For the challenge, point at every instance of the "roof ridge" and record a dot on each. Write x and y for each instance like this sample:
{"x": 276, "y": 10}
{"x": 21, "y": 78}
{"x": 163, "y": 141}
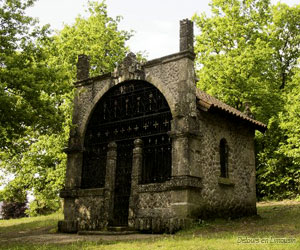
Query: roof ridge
{"x": 216, "y": 103}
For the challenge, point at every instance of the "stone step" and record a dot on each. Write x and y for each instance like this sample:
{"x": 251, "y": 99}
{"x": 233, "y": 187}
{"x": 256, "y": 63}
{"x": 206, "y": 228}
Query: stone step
{"x": 118, "y": 228}
{"x": 110, "y": 231}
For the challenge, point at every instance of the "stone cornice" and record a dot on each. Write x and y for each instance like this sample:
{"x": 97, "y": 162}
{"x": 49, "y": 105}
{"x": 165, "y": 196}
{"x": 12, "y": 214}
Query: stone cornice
{"x": 112, "y": 75}
{"x": 175, "y": 183}
{"x": 169, "y": 58}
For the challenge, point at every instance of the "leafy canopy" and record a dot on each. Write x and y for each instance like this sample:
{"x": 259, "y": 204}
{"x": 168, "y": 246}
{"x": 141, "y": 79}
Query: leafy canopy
{"x": 24, "y": 96}
{"x": 247, "y": 51}
{"x": 34, "y": 153}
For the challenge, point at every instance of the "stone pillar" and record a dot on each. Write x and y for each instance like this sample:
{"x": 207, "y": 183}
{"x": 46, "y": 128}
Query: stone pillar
{"x": 74, "y": 168}
{"x": 72, "y": 183}
{"x": 187, "y": 186}
{"x": 180, "y": 168}
{"x": 180, "y": 155}
{"x": 73, "y": 177}
{"x": 70, "y": 223}
{"x": 111, "y": 164}
{"x": 186, "y": 35}
{"x": 137, "y": 163}
{"x": 83, "y": 67}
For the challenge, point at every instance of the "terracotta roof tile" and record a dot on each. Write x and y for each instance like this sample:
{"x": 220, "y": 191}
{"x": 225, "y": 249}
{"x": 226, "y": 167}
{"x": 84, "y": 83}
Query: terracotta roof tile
{"x": 208, "y": 102}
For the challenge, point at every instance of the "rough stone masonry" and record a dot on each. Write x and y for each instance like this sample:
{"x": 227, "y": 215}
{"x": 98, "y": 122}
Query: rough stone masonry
{"x": 150, "y": 152}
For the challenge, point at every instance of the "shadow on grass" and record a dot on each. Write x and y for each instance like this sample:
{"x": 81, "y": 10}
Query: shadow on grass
{"x": 271, "y": 221}
{"x": 28, "y": 224}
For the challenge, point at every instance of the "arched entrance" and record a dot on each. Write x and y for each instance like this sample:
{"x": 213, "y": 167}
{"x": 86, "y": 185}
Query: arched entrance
{"x": 131, "y": 110}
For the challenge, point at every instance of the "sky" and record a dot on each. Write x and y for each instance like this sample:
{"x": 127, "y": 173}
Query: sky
{"x": 155, "y": 22}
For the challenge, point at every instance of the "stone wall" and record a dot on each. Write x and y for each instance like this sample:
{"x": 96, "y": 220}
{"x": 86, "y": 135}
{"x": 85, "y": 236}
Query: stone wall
{"x": 153, "y": 209}
{"x": 90, "y": 213}
{"x": 234, "y": 196}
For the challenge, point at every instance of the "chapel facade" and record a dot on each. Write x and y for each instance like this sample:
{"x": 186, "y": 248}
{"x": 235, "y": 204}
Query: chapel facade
{"x": 150, "y": 152}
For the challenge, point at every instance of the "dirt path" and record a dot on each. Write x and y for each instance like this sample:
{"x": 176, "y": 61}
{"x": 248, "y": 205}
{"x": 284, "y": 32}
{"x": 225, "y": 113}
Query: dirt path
{"x": 44, "y": 236}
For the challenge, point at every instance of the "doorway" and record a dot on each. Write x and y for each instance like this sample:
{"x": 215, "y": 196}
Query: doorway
{"x": 122, "y": 183}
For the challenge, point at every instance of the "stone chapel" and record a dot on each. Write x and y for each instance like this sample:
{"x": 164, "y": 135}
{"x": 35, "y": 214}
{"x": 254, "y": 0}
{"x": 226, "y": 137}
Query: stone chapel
{"x": 150, "y": 152}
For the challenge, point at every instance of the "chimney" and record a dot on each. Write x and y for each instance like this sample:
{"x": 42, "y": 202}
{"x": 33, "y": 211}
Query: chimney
{"x": 83, "y": 67}
{"x": 247, "y": 110}
{"x": 186, "y": 35}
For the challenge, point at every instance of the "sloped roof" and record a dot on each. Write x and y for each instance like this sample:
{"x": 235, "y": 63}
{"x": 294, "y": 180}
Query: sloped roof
{"x": 209, "y": 102}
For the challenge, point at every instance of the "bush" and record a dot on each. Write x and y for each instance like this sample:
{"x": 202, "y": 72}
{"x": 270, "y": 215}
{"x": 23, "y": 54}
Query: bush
{"x": 43, "y": 206}
{"x": 13, "y": 209}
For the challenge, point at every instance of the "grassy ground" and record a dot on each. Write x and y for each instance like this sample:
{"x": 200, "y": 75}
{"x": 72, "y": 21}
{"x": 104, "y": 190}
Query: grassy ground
{"x": 277, "y": 222}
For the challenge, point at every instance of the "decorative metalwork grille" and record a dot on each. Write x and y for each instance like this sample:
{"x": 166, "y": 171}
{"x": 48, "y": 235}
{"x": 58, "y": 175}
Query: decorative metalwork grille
{"x": 94, "y": 166}
{"x": 134, "y": 109}
{"x": 156, "y": 159}
{"x": 122, "y": 183}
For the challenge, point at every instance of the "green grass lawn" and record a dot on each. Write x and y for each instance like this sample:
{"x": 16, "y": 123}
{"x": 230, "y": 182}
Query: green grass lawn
{"x": 277, "y": 221}
{"x": 23, "y": 224}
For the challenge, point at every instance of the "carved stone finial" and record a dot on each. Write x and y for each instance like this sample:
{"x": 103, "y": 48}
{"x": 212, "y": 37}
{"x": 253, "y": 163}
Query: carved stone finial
{"x": 83, "y": 67}
{"x": 129, "y": 69}
{"x": 129, "y": 60}
{"x": 112, "y": 145}
{"x": 138, "y": 142}
{"x": 247, "y": 110}
{"x": 186, "y": 35}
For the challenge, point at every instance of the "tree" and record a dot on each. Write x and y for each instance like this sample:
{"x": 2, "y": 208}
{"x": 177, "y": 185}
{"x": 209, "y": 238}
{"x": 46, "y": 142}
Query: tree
{"x": 24, "y": 96}
{"x": 285, "y": 40}
{"x": 278, "y": 165}
{"x": 247, "y": 51}
{"x": 288, "y": 181}
{"x": 37, "y": 161}
{"x": 290, "y": 121}
{"x": 234, "y": 55}
{"x": 97, "y": 36}
{"x": 279, "y": 159}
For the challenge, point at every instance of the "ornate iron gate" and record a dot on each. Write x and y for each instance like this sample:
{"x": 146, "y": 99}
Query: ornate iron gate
{"x": 134, "y": 109}
{"x": 122, "y": 182}
{"x": 94, "y": 164}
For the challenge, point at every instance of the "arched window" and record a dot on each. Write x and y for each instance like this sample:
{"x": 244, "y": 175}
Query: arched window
{"x": 131, "y": 110}
{"x": 224, "y": 158}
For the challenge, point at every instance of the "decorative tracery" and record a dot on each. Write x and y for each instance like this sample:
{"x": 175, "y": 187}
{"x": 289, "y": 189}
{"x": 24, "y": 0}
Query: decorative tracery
{"x": 134, "y": 109}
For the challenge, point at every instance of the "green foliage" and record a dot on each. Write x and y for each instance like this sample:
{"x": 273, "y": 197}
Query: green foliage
{"x": 24, "y": 97}
{"x": 247, "y": 51}
{"x": 290, "y": 121}
{"x": 37, "y": 84}
{"x": 29, "y": 105}
{"x": 275, "y": 171}
{"x": 234, "y": 56}
{"x": 279, "y": 159}
{"x": 285, "y": 40}
{"x": 97, "y": 36}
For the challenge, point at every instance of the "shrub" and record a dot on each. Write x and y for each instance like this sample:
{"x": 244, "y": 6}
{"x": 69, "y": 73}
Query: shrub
{"x": 13, "y": 209}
